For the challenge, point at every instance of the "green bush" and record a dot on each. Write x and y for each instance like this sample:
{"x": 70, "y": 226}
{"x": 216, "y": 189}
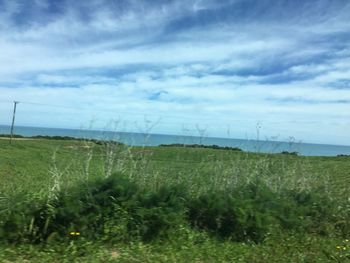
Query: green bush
{"x": 240, "y": 215}
{"x": 87, "y": 207}
{"x": 18, "y": 223}
{"x": 252, "y": 211}
{"x": 315, "y": 211}
{"x": 159, "y": 212}
{"x": 115, "y": 208}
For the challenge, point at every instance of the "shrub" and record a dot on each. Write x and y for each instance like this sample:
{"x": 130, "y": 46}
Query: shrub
{"x": 19, "y": 222}
{"x": 159, "y": 212}
{"x": 290, "y": 153}
{"x": 115, "y": 208}
{"x": 240, "y": 215}
{"x": 111, "y": 208}
{"x": 252, "y": 211}
{"x": 214, "y": 146}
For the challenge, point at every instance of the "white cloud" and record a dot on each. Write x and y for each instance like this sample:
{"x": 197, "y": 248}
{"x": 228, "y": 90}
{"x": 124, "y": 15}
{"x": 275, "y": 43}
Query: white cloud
{"x": 212, "y": 75}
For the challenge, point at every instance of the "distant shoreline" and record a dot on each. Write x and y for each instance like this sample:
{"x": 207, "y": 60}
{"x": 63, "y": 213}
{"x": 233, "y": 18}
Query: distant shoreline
{"x": 18, "y": 137}
{"x": 152, "y": 139}
{"x": 102, "y": 131}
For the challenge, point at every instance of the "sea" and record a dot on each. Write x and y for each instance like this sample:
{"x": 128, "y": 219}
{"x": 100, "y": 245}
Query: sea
{"x": 142, "y": 139}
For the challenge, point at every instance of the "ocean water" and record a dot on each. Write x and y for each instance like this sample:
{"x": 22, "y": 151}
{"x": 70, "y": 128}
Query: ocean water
{"x": 140, "y": 139}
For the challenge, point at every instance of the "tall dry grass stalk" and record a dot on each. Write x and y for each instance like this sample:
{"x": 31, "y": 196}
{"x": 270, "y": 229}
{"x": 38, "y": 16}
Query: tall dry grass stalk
{"x": 56, "y": 176}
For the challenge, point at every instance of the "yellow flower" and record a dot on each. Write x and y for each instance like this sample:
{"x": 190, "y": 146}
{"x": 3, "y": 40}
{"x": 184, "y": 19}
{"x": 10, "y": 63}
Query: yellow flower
{"x": 338, "y": 247}
{"x": 73, "y": 233}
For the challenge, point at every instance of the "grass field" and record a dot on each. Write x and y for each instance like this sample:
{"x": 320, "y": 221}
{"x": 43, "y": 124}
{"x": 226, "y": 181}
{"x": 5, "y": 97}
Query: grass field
{"x": 282, "y": 208}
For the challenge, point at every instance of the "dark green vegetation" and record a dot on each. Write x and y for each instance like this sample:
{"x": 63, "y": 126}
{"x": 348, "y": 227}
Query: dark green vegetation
{"x": 60, "y": 138}
{"x": 169, "y": 204}
{"x": 216, "y": 147}
{"x": 290, "y": 153}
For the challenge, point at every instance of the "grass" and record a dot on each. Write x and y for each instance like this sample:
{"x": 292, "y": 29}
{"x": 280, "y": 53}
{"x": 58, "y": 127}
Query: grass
{"x": 35, "y": 171}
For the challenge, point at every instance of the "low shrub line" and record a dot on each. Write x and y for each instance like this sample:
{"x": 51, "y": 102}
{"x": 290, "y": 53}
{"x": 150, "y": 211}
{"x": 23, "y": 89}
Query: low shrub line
{"x": 117, "y": 209}
{"x": 63, "y": 138}
{"x": 214, "y": 146}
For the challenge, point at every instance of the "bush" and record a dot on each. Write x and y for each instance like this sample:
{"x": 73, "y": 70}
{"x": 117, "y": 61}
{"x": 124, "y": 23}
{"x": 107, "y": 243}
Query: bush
{"x": 159, "y": 212}
{"x": 117, "y": 209}
{"x": 112, "y": 208}
{"x": 85, "y": 208}
{"x": 214, "y": 146}
{"x": 19, "y": 222}
{"x": 252, "y": 211}
{"x": 240, "y": 215}
{"x": 315, "y": 211}
{"x": 290, "y": 153}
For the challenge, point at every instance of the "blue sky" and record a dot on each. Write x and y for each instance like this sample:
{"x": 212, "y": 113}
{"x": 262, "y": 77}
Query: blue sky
{"x": 180, "y": 66}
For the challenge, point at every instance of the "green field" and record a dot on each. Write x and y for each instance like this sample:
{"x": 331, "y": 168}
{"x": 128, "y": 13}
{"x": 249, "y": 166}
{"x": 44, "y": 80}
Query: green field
{"x": 169, "y": 204}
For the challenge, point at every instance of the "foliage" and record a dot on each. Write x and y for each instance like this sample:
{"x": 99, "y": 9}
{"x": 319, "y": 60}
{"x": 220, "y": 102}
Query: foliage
{"x": 110, "y": 208}
{"x": 215, "y": 147}
{"x": 62, "y": 138}
{"x": 290, "y": 153}
{"x": 253, "y": 211}
{"x": 197, "y": 201}
{"x": 117, "y": 209}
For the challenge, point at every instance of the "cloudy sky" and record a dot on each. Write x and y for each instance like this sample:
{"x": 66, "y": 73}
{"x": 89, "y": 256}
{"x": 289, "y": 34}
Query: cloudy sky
{"x": 180, "y": 67}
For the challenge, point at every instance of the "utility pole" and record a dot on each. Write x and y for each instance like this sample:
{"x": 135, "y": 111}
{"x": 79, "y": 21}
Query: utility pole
{"x": 13, "y": 119}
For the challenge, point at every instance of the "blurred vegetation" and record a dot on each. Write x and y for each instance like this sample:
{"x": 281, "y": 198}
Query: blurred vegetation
{"x": 216, "y": 147}
{"x": 110, "y": 202}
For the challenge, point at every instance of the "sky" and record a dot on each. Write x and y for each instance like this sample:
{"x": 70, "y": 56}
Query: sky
{"x": 267, "y": 69}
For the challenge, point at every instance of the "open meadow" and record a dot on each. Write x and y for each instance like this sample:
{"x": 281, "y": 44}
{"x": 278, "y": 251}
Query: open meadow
{"x": 85, "y": 201}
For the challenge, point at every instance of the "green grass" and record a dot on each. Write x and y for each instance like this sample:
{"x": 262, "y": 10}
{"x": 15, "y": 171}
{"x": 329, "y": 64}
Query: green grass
{"x": 25, "y": 160}
{"x": 34, "y": 170}
{"x": 292, "y": 249}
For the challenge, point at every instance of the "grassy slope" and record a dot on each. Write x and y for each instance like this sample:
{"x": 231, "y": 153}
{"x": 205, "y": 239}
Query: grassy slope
{"x": 26, "y": 168}
{"x": 26, "y": 165}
